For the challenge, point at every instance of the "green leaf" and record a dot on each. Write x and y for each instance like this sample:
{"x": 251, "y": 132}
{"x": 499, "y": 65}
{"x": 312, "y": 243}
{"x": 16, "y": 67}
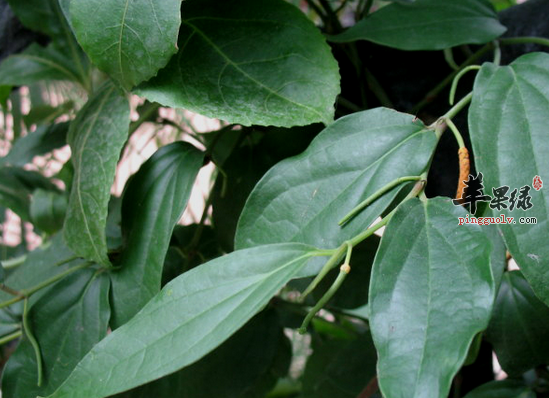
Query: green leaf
{"x": 190, "y": 317}
{"x": 249, "y": 62}
{"x": 67, "y": 322}
{"x": 502, "y": 389}
{"x": 130, "y": 40}
{"x": 41, "y": 141}
{"x": 339, "y": 368}
{"x": 46, "y": 114}
{"x": 45, "y": 16}
{"x": 509, "y": 137}
{"x": 431, "y": 292}
{"x": 427, "y": 25}
{"x": 36, "y": 64}
{"x": 519, "y": 326}
{"x": 96, "y": 137}
{"x": 245, "y": 366}
{"x": 153, "y": 202}
{"x": 303, "y": 198}
{"x": 47, "y": 210}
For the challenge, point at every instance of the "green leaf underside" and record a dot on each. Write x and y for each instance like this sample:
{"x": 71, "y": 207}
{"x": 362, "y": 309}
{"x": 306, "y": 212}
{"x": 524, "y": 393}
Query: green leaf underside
{"x": 153, "y": 203}
{"x": 128, "y": 39}
{"x": 249, "y": 62}
{"x": 192, "y": 315}
{"x": 96, "y": 137}
{"x": 35, "y": 64}
{"x": 429, "y": 298}
{"x": 67, "y": 322}
{"x": 502, "y": 389}
{"x": 244, "y": 366}
{"x": 518, "y": 329}
{"x": 427, "y": 25}
{"x": 47, "y": 210}
{"x": 303, "y": 198}
{"x": 508, "y": 123}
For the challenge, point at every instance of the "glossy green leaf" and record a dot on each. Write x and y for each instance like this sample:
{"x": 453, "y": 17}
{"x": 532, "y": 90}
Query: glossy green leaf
{"x": 502, "y": 389}
{"x": 249, "y": 62}
{"x": 153, "y": 202}
{"x": 45, "y": 16}
{"x": 339, "y": 368}
{"x": 192, "y": 315}
{"x": 431, "y": 292}
{"x": 39, "y": 142}
{"x": 303, "y": 198}
{"x": 130, "y": 40}
{"x": 47, "y": 210}
{"x": 519, "y": 327}
{"x": 508, "y": 127}
{"x": 427, "y": 25}
{"x": 96, "y": 137}
{"x": 67, "y": 322}
{"x": 36, "y": 64}
{"x": 245, "y": 366}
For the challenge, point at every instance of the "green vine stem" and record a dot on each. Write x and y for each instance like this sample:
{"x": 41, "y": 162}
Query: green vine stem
{"x": 458, "y": 107}
{"x": 376, "y": 195}
{"x": 9, "y": 290}
{"x": 26, "y": 293}
{"x": 10, "y": 337}
{"x": 449, "y": 58}
{"x": 14, "y": 262}
{"x": 524, "y": 40}
{"x": 33, "y": 341}
{"x": 456, "y": 80}
{"x": 331, "y": 263}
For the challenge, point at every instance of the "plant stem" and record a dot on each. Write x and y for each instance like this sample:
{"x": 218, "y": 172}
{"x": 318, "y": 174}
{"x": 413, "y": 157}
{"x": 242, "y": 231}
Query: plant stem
{"x": 376, "y": 195}
{"x": 449, "y": 57}
{"x": 9, "y": 290}
{"x": 14, "y": 262}
{"x": 332, "y": 262}
{"x": 32, "y": 340}
{"x": 25, "y": 293}
{"x": 456, "y": 81}
{"x": 11, "y": 337}
{"x": 524, "y": 40}
{"x": 458, "y": 107}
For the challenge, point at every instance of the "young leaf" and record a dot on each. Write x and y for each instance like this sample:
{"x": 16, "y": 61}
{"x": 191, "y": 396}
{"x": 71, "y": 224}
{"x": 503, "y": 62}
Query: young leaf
{"x": 302, "y": 199}
{"x": 431, "y": 292}
{"x": 519, "y": 325}
{"x": 245, "y": 366}
{"x": 502, "y": 389}
{"x": 129, "y": 39}
{"x": 67, "y": 322}
{"x": 47, "y": 210}
{"x": 35, "y": 64}
{"x": 96, "y": 137}
{"x": 153, "y": 203}
{"x": 427, "y": 25}
{"x": 249, "y": 62}
{"x": 509, "y": 135}
{"x": 190, "y": 317}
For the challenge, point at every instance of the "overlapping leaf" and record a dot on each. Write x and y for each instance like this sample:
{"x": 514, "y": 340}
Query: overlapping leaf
{"x": 431, "y": 292}
{"x": 190, "y": 317}
{"x": 508, "y": 126}
{"x": 96, "y": 138}
{"x": 428, "y": 25}
{"x": 249, "y": 62}
{"x": 302, "y": 199}
{"x": 67, "y": 322}
{"x": 153, "y": 203}
{"x": 502, "y": 389}
{"x": 47, "y": 210}
{"x": 129, "y": 39}
{"x": 519, "y": 326}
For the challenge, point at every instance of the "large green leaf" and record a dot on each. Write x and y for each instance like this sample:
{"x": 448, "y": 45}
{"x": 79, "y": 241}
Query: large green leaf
{"x": 35, "y": 64}
{"x": 67, "y": 322}
{"x": 502, "y": 389}
{"x": 47, "y": 210}
{"x": 428, "y": 25}
{"x": 245, "y": 366}
{"x": 249, "y": 62}
{"x": 519, "y": 327}
{"x": 508, "y": 127}
{"x": 431, "y": 292}
{"x": 190, "y": 317}
{"x": 96, "y": 137}
{"x": 153, "y": 203}
{"x": 43, "y": 140}
{"x": 129, "y": 39}
{"x": 339, "y": 368}
{"x": 303, "y": 198}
